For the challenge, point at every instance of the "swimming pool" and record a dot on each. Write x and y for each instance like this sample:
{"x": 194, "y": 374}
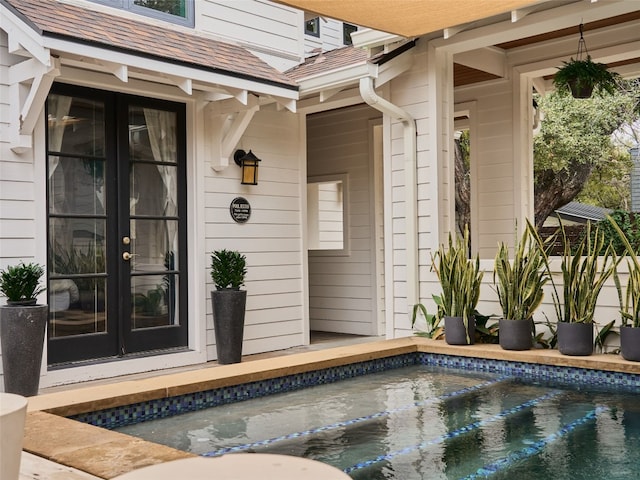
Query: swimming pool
{"x": 425, "y": 421}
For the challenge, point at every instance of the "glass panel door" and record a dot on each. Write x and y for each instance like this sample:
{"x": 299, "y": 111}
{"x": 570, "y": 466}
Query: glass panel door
{"x": 154, "y": 236}
{"x": 116, "y": 224}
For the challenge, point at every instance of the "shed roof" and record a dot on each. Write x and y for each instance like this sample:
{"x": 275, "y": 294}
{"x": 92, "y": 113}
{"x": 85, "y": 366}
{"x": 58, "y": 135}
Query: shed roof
{"x": 581, "y": 211}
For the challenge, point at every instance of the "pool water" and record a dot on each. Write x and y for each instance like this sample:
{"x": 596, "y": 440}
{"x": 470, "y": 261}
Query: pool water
{"x": 426, "y": 422}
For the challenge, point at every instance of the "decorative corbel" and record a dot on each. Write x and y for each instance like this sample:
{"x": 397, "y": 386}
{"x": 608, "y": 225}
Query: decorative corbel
{"x": 29, "y": 85}
{"x": 225, "y": 124}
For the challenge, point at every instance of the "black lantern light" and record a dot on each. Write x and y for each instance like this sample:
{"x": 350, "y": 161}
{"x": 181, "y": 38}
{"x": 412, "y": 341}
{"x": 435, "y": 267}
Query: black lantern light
{"x": 249, "y": 164}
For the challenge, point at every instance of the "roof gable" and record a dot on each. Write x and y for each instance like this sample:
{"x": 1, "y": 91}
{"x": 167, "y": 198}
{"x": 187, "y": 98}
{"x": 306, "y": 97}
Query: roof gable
{"x": 51, "y": 18}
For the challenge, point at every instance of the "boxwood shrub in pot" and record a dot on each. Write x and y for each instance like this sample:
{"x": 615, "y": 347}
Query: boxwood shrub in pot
{"x": 228, "y": 270}
{"x": 520, "y": 286}
{"x": 22, "y": 328}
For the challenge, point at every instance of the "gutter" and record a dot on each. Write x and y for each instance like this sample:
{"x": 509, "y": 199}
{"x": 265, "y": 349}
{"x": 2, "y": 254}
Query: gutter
{"x": 367, "y": 91}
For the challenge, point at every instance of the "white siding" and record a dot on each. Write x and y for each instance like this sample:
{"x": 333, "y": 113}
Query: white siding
{"x": 17, "y": 190}
{"x": 271, "y": 239}
{"x": 271, "y": 31}
{"x": 342, "y": 287}
{"x": 493, "y": 184}
{"x": 409, "y": 92}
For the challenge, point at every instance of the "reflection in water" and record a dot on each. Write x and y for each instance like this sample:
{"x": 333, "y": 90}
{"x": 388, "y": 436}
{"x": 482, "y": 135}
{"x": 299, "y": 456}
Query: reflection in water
{"x": 426, "y": 423}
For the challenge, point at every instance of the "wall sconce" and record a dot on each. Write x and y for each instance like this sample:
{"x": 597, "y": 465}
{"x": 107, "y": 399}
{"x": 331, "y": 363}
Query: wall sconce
{"x": 249, "y": 164}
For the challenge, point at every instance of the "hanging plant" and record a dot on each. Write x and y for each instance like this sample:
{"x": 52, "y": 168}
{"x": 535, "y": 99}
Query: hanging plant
{"x": 581, "y": 76}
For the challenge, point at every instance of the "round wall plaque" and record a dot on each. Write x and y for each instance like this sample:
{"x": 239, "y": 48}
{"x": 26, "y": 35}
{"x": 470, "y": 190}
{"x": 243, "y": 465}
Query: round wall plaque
{"x": 240, "y": 209}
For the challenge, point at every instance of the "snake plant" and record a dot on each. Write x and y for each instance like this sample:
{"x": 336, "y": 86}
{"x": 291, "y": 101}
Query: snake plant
{"x": 584, "y": 274}
{"x": 630, "y": 301}
{"x": 460, "y": 278}
{"x": 519, "y": 282}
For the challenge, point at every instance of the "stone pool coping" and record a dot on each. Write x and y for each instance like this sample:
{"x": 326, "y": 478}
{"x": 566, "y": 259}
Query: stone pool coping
{"x": 107, "y": 454}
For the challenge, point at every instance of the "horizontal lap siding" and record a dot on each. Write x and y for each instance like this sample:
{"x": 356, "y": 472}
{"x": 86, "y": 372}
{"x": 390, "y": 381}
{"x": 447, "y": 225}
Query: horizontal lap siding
{"x": 17, "y": 194}
{"x": 272, "y": 31}
{"x": 271, "y": 239}
{"x": 341, "y": 288}
{"x": 410, "y": 92}
{"x": 494, "y": 182}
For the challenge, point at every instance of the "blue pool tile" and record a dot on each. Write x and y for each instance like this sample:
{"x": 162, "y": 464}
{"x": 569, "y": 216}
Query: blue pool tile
{"x": 164, "y": 407}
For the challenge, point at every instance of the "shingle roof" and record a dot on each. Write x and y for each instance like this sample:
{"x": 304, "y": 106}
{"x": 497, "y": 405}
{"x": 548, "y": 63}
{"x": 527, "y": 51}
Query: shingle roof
{"x": 62, "y": 20}
{"x": 327, "y": 61}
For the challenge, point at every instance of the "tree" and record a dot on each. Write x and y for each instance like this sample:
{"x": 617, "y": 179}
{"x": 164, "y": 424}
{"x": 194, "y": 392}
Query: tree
{"x": 462, "y": 182}
{"x": 580, "y": 153}
{"x": 574, "y": 141}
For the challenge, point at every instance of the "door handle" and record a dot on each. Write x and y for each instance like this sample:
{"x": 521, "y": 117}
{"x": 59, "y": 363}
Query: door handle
{"x": 128, "y": 256}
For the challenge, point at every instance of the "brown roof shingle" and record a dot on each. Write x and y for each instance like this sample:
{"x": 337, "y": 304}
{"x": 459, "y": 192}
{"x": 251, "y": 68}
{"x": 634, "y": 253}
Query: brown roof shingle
{"x": 328, "y": 61}
{"x": 55, "y": 19}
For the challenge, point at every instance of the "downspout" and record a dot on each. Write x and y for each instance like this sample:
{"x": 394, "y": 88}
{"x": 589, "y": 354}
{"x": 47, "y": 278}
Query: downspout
{"x": 369, "y": 95}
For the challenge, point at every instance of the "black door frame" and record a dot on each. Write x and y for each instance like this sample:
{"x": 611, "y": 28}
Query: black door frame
{"x": 120, "y": 340}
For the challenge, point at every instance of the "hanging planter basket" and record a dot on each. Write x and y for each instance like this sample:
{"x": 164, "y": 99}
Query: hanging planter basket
{"x": 581, "y": 76}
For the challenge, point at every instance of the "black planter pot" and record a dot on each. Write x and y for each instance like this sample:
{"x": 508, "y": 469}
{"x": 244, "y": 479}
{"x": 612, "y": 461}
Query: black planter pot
{"x": 22, "y": 333}
{"x": 456, "y": 334}
{"x": 630, "y": 343}
{"x": 516, "y": 334}
{"x": 582, "y": 91}
{"x": 228, "y": 322}
{"x": 575, "y": 339}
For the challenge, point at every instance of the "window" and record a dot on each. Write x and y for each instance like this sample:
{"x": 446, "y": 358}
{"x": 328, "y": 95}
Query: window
{"x": 347, "y": 30}
{"x": 174, "y": 11}
{"x": 327, "y": 214}
{"x": 312, "y": 27}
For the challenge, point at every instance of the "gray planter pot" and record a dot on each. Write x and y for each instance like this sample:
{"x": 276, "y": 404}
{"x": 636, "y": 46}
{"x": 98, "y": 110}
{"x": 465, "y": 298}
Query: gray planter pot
{"x": 516, "y": 334}
{"x": 228, "y": 322}
{"x": 456, "y": 334}
{"x": 630, "y": 343}
{"x": 575, "y": 339}
{"x": 22, "y": 333}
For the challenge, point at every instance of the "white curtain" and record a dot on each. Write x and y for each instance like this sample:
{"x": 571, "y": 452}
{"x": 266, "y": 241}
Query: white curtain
{"x": 161, "y": 126}
{"x": 59, "y": 106}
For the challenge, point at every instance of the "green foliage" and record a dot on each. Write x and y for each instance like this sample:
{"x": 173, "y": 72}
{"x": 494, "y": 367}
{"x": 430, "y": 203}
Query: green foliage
{"x": 84, "y": 262}
{"x": 622, "y": 229}
{"x": 151, "y": 304}
{"x": 630, "y": 301}
{"x": 583, "y": 276}
{"x": 585, "y": 74}
{"x": 608, "y": 185}
{"x": 21, "y": 282}
{"x": 520, "y": 282}
{"x": 434, "y": 330}
{"x": 576, "y": 132}
{"x": 460, "y": 278}
{"x": 228, "y": 269}
{"x": 486, "y": 332}
{"x": 173, "y": 7}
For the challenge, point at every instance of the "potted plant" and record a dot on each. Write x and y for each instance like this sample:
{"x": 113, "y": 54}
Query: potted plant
{"x": 630, "y": 301}
{"x": 228, "y": 269}
{"x": 584, "y": 273}
{"x": 519, "y": 284}
{"x": 460, "y": 279}
{"x": 581, "y": 77}
{"x": 22, "y": 328}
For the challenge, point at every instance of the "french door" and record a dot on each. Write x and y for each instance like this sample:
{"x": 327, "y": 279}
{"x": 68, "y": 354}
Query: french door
{"x": 116, "y": 174}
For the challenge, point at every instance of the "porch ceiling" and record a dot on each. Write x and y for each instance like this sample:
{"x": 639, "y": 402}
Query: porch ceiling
{"x": 409, "y": 18}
